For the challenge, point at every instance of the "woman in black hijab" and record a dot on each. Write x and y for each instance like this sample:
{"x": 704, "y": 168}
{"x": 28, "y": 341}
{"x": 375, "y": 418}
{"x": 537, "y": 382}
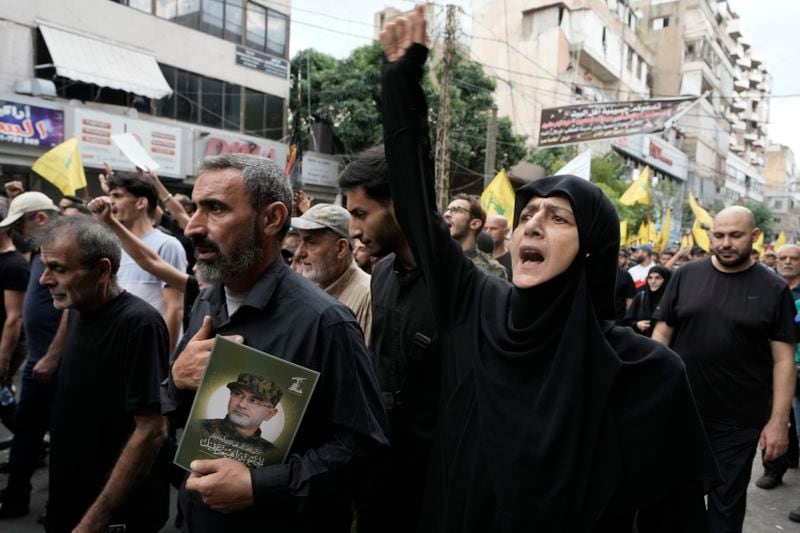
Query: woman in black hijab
{"x": 640, "y": 314}
{"x": 551, "y": 418}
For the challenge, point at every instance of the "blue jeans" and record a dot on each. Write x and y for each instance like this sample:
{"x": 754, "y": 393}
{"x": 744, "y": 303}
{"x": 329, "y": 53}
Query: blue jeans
{"x": 31, "y": 423}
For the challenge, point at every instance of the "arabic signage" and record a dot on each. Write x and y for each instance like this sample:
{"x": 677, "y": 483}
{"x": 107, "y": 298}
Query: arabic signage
{"x": 590, "y": 122}
{"x": 265, "y": 63}
{"x": 30, "y": 125}
{"x": 94, "y": 130}
{"x": 320, "y": 169}
{"x": 657, "y": 153}
{"x": 218, "y": 143}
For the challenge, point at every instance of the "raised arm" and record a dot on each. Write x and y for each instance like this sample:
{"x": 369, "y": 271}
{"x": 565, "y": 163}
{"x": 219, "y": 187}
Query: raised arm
{"x": 145, "y": 257}
{"x": 447, "y": 271}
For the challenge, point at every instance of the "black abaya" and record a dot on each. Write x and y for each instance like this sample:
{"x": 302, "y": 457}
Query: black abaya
{"x": 551, "y": 420}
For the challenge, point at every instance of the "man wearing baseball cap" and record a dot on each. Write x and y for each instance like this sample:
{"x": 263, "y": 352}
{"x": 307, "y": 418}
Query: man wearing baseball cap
{"x": 643, "y": 255}
{"x": 28, "y": 212}
{"x": 326, "y": 255}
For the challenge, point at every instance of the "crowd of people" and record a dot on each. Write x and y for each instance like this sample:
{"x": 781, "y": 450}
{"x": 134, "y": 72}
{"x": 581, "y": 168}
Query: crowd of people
{"x": 471, "y": 377}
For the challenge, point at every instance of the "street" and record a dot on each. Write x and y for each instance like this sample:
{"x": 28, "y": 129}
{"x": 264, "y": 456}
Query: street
{"x": 767, "y": 511}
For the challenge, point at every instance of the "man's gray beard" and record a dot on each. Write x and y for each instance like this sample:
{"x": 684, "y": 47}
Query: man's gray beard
{"x": 319, "y": 274}
{"x": 226, "y": 268}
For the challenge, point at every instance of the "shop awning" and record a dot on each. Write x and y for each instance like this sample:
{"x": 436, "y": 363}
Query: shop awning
{"x": 104, "y": 63}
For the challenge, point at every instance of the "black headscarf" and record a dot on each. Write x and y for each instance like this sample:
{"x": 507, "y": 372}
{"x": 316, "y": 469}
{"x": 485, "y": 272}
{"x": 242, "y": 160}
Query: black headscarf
{"x": 651, "y": 299}
{"x": 543, "y": 383}
{"x": 549, "y": 379}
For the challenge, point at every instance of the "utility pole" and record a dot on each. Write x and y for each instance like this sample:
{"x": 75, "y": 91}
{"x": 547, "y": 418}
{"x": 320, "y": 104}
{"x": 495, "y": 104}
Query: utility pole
{"x": 491, "y": 148}
{"x": 443, "y": 117}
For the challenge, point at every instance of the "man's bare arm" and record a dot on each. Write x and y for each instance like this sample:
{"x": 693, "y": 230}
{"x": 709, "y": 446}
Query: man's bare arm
{"x": 149, "y": 435}
{"x": 173, "y": 314}
{"x": 45, "y": 367}
{"x": 663, "y": 333}
{"x": 11, "y": 329}
{"x": 775, "y": 437}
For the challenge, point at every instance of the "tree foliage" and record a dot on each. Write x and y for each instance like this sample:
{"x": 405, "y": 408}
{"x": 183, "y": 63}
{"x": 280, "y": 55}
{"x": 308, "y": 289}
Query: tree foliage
{"x": 346, "y": 94}
{"x": 764, "y": 219}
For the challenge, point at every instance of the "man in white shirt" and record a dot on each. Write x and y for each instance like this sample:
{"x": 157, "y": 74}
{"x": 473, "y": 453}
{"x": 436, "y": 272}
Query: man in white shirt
{"x": 643, "y": 256}
{"x": 133, "y": 203}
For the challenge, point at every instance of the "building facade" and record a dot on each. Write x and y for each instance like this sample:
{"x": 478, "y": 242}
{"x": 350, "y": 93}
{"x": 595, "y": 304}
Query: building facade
{"x": 187, "y": 78}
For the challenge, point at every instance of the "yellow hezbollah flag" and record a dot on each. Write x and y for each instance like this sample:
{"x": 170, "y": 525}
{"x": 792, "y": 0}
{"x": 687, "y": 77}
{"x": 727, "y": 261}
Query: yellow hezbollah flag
{"x": 780, "y": 241}
{"x": 623, "y": 232}
{"x": 644, "y": 232}
{"x": 639, "y": 191}
{"x": 700, "y": 235}
{"x": 661, "y": 243}
{"x": 652, "y": 234}
{"x": 699, "y": 212}
{"x": 498, "y": 197}
{"x": 62, "y": 167}
{"x": 687, "y": 242}
{"x": 759, "y": 244}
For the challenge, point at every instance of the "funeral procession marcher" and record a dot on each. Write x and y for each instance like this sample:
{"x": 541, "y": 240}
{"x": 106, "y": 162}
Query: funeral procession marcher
{"x": 465, "y": 218}
{"x": 243, "y": 204}
{"x": 732, "y": 322}
{"x": 107, "y": 431}
{"x": 253, "y": 400}
{"x": 405, "y": 345}
{"x": 45, "y": 328}
{"x": 326, "y": 255}
{"x": 612, "y": 437}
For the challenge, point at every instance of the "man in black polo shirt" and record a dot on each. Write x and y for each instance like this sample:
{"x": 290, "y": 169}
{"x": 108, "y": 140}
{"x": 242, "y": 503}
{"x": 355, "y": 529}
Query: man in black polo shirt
{"x": 404, "y": 342}
{"x": 243, "y": 205}
{"x": 732, "y": 323}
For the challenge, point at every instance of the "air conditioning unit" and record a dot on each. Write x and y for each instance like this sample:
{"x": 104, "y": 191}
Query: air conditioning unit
{"x": 36, "y": 87}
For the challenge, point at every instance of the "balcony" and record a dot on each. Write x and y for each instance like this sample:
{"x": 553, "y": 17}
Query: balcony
{"x": 739, "y": 126}
{"x": 739, "y": 84}
{"x": 755, "y": 77}
{"x": 736, "y": 52}
{"x": 750, "y": 136}
{"x": 739, "y": 104}
{"x": 744, "y": 62}
{"x": 760, "y": 142}
{"x": 745, "y": 41}
{"x": 599, "y": 56}
{"x": 734, "y": 28}
{"x": 757, "y": 59}
{"x": 735, "y": 147}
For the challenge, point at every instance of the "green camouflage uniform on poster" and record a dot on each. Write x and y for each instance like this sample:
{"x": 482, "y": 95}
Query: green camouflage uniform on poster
{"x": 484, "y": 261}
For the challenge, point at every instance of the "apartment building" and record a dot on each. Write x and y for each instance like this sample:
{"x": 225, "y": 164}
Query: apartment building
{"x": 188, "y": 78}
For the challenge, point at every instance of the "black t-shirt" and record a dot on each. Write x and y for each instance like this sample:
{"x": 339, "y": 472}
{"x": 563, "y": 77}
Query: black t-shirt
{"x": 14, "y": 273}
{"x": 625, "y": 289}
{"x": 112, "y": 366}
{"x": 723, "y": 327}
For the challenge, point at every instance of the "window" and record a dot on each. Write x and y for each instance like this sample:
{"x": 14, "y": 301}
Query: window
{"x": 234, "y": 14}
{"x": 256, "y": 26}
{"x": 187, "y": 96}
{"x": 211, "y": 102}
{"x": 660, "y": 23}
{"x": 629, "y": 61}
{"x": 274, "y": 122}
{"x": 254, "y": 112}
{"x": 277, "y": 25}
{"x": 212, "y": 17}
{"x": 233, "y": 105}
{"x": 167, "y": 9}
{"x": 166, "y": 106}
{"x": 139, "y": 5}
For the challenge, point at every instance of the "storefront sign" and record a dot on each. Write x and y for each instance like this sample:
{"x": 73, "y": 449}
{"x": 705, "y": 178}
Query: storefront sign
{"x": 30, "y": 125}
{"x": 223, "y": 143}
{"x": 656, "y": 152}
{"x": 320, "y": 169}
{"x": 589, "y": 122}
{"x": 265, "y": 63}
{"x": 161, "y": 142}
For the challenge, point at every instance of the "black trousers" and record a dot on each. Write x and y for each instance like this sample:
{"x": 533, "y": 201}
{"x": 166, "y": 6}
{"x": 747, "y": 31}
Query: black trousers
{"x": 735, "y": 449}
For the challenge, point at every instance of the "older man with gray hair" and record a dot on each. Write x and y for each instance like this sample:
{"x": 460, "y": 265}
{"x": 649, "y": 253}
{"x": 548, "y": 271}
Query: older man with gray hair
{"x": 326, "y": 255}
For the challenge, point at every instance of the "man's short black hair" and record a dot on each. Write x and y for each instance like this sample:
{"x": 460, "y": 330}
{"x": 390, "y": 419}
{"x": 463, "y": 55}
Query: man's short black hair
{"x": 74, "y": 199}
{"x": 475, "y": 209}
{"x": 137, "y": 186}
{"x": 370, "y": 171}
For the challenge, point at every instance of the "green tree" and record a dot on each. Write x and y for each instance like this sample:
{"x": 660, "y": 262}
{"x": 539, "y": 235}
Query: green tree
{"x": 764, "y": 219}
{"x": 346, "y": 93}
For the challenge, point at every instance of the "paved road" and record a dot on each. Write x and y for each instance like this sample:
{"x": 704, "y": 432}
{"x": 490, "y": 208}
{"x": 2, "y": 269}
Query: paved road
{"x": 766, "y": 510}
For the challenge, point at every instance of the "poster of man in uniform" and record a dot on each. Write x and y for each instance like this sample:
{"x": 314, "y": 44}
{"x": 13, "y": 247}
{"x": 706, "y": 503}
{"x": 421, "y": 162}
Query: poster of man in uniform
{"x": 248, "y": 407}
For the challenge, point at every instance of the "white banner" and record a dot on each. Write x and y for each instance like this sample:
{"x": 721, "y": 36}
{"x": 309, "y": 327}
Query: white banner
{"x": 580, "y": 166}
{"x": 160, "y": 142}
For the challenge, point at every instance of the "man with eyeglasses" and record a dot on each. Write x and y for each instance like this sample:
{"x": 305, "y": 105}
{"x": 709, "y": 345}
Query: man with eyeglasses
{"x": 465, "y": 217}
